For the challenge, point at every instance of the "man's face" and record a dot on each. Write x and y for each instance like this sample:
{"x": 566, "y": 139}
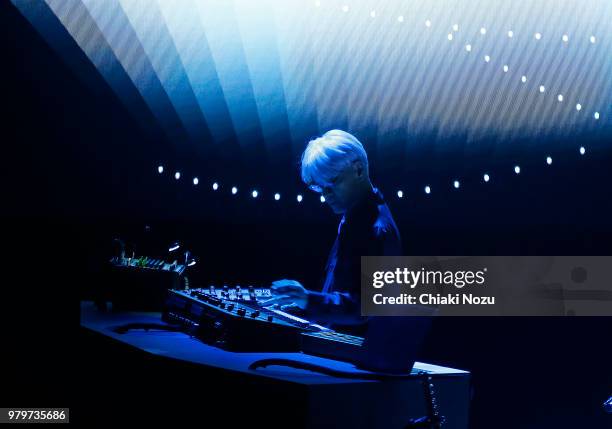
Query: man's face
{"x": 342, "y": 191}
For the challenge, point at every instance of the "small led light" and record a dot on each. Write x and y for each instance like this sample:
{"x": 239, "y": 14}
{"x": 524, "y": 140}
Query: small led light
{"x": 400, "y": 18}
{"x": 196, "y": 181}
{"x": 456, "y": 27}
{"x": 373, "y": 14}
{"x": 517, "y": 169}
{"x": 215, "y": 186}
{"x": 456, "y": 184}
{"x": 468, "y": 48}
{"x": 538, "y": 36}
{"x": 177, "y": 175}
{"x": 593, "y": 40}
{"x": 276, "y": 197}
{"x": 322, "y": 198}
{"x": 548, "y": 160}
{"x": 428, "y": 23}
{"x": 523, "y": 79}
{"x": 505, "y": 69}
{"x": 565, "y": 38}
{"x": 160, "y": 169}
{"x": 234, "y": 190}
{"x": 400, "y": 194}
{"x": 254, "y": 194}
{"x": 560, "y": 97}
{"x": 299, "y": 198}
{"x": 483, "y": 31}
{"x": 427, "y": 189}
{"x": 596, "y": 115}
{"x": 542, "y": 88}
{"x": 487, "y": 58}
{"x": 450, "y": 36}
{"x": 486, "y": 177}
{"x": 345, "y": 8}
{"x": 510, "y": 33}
{"x": 579, "y": 107}
{"x": 582, "y": 150}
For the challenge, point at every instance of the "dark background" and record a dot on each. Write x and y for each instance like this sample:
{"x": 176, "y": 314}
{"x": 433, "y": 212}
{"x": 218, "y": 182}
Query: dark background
{"x": 78, "y": 171}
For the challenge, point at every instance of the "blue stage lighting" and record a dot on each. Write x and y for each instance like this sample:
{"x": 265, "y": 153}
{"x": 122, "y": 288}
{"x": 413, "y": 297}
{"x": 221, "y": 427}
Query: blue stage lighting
{"x": 517, "y": 169}
{"x": 548, "y": 160}
{"x": 486, "y": 177}
{"x": 542, "y": 88}
{"x": 196, "y": 180}
{"x": 565, "y": 38}
{"x": 160, "y": 169}
{"x": 596, "y": 115}
{"x": 299, "y": 198}
{"x": 505, "y": 68}
{"x": 322, "y": 198}
{"x": 560, "y": 97}
{"x": 215, "y": 186}
{"x": 582, "y": 150}
{"x": 254, "y": 194}
{"x": 177, "y": 175}
{"x": 276, "y": 197}
{"x": 579, "y": 107}
{"x": 234, "y": 190}
{"x": 523, "y": 78}
{"x": 456, "y": 184}
{"x": 483, "y": 31}
{"x": 400, "y": 194}
{"x": 427, "y": 189}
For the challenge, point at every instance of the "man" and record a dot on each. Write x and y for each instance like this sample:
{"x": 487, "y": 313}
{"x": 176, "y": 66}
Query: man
{"x": 336, "y": 165}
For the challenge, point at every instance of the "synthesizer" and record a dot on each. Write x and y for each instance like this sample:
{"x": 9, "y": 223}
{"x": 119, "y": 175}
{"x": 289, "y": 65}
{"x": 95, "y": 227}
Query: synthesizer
{"x": 233, "y": 319}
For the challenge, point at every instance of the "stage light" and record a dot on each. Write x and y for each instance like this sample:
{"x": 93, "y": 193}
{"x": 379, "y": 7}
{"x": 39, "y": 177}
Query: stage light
{"x": 215, "y": 186}
{"x": 582, "y": 150}
{"x": 276, "y": 197}
{"x": 510, "y": 33}
{"x": 400, "y": 18}
{"x": 177, "y": 175}
{"x": 254, "y": 194}
{"x": 560, "y": 97}
{"x": 427, "y": 189}
{"x": 487, "y": 58}
{"x": 593, "y": 40}
{"x": 483, "y": 31}
{"x": 542, "y": 89}
{"x": 345, "y": 8}
{"x": 579, "y": 107}
{"x": 299, "y": 198}
{"x": 523, "y": 78}
{"x": 234, "y": 190}
{"x": 191, "y": 263}
{"x": 548, "y": 160}
{"x": 486, "y": 177}
{"x": 428, "y": 23}
{"x": 373, "y": 14}
{"x": 456, "y": 27}
{"x": 196, "y": 181}
{"x": 160, "y": 169}
{"x": 174, "y": 246}
{"x": 538, "y": 36}
{"x": 565, "y": 38}
{"x": 468, "y": 48}
{"x": 400, "y": 194}
{"x": 456, "y": 184}
{"x": 505, "y": 69}
{"x": 517, "y": 169}
{"x": 322, "y": 198}
{"x": 450, "y": 36}
{"x": 596, "y": 115}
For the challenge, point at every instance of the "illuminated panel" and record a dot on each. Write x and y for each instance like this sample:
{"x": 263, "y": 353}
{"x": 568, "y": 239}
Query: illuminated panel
{"x": 148, "y": 23}
{"x": 112, "y": 21}
{"x": 258, "y": 34}
{"x": 293, "y": 24}
{"x": 219, "y": 21}
{"x": 190, "y": 40}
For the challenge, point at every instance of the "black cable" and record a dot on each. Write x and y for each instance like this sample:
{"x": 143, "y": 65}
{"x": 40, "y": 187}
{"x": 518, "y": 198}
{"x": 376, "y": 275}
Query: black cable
{"x": 325, "y": 370}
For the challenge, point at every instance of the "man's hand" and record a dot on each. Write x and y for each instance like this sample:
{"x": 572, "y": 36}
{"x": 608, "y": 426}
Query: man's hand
{"x": 287, "y": 293}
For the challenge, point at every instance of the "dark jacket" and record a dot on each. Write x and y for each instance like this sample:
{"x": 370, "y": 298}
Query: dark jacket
{"x": 368, "y": 229}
